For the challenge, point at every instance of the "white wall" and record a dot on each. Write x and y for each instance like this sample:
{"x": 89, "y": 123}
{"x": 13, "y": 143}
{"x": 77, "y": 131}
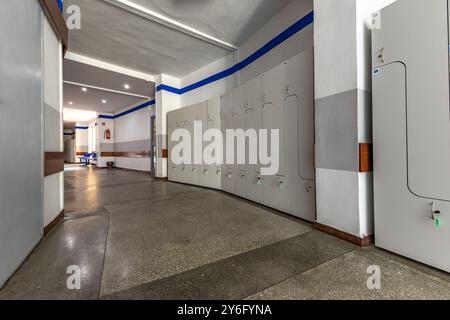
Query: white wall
{"x": 165, "y": 102}
{"x": 290, "y": 48}
{"x": 21, "y": 110}
{"x": 132, "y": 134}
{"x": 53, "y": 123}
{"x": 103, "y": 144}
{"x": 215, "y": 89}
{"x": 343, "y": 94}
{"x": 81, "y": 138}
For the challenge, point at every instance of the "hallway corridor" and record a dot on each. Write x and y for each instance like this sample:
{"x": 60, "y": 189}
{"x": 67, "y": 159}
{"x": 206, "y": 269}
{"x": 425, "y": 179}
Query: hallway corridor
{"x": 139, "y": 238}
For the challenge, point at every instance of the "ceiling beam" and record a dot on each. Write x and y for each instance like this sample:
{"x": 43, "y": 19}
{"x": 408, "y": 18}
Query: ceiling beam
{"x": 170, "y": 23}
{"x": 108, "y": 66}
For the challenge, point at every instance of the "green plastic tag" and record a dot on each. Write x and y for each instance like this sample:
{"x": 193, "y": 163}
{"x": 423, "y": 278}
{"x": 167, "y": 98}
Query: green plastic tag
{"x": 437, "y": 221}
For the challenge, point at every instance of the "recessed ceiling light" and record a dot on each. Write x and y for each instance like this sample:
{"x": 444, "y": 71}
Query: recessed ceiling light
{"x": 126, "y": 86}
{"x": 104, "y": 101}
{"x": 70, "y": 102}
{"x": 84, "y": 89}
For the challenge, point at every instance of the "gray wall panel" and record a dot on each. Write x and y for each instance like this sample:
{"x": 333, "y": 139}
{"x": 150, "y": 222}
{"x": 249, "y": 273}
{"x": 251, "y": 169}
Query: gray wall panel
{"x": 52, "y": 129}
{"x": 131, "y": 146}
{"x": 337, "y": 145}
{"x": 21, "y": 174}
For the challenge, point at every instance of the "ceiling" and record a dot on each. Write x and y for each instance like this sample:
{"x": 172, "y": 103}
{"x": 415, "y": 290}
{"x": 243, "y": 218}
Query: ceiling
{"x": 116, "y": 36}
{"x": 102, "y": 85}
{"x": 91, "y": 100}
{"x": 97, "y": 77}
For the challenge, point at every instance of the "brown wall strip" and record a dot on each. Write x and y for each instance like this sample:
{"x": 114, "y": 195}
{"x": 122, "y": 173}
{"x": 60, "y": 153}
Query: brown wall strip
{"x": 165, "y": 154}
{"x": 81, "y": 153}
{"x": 52, "y": 224}
{"x": 107, "y": 154}
{"x": 53, "y": 163}
{"x": 365, "y": 157}
{"x": 56, "y": 19}
{"x": 362, "y": 242}
{"x": 138, "y": 154}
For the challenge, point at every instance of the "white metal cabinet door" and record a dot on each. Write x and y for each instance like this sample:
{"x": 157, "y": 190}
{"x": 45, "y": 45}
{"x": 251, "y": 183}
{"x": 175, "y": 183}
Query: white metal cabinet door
{"x": 299, "y": 133}
{"x": 214, "y": 122}
{"x": 240, "y": 170}
{"x": 403, "y": 221}
{"x": 227, "y": 123}
{"x": 200, "y": 171}
{"x": 275, "y": 194}
{"x": 253, "y": 116}
{"x": 171, "y": 126}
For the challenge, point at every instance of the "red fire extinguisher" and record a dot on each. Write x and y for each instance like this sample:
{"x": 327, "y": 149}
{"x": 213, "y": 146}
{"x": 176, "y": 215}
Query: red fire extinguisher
{"x": 108, "y": 134}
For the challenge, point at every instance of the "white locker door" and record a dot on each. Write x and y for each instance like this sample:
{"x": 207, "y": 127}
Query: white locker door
{"x": 275, "y": 194}
{"x": 254, "y": 181}
{"x": 240, "y": 170}
{"x": 171, "y": 126}
{"x": 227, "y": 123}
{"x": 189, "y": 171}
{"x": 214, "y": 122}
{"x": 200, "y": 170}
{"x": 299, "y": 133}
{"x": 403, "y": 220}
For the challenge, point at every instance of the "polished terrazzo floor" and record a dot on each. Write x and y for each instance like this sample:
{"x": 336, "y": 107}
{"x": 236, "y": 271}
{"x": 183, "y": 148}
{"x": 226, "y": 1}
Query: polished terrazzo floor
{"x": 134, "y": 237}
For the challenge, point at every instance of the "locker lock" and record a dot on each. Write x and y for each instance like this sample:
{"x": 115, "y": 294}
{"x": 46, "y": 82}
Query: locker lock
{"x": 205, "y": 172}
{"x": 436, "y": 216}
{"x": 281, "y": 184}
{"x": 194, "y": 169}
{"x": 219, "y": 172}
{"x": 243, "y": 173}
{"x": 259, "y": 181}
{"x": 229, "y": 175}
{"x": 287, "y": 90}
{"x": 381, "y": 55}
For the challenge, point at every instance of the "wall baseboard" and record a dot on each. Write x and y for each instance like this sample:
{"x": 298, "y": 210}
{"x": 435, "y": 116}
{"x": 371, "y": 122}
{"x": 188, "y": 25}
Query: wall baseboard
{"x": 52, "y": 224}
{"x": 361, "y": 242}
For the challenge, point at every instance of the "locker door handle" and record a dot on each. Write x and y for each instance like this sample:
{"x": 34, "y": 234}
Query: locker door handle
{"x": 281, "y": 184}
{"x": 381, "y": 55}
{"x": 436, "y": 216}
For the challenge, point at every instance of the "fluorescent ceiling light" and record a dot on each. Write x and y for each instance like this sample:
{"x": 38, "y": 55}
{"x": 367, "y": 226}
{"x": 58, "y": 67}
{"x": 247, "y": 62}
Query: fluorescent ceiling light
{"x": 127, "y": 86}
{"x": 168, "y": 22}
{"x": 85, "y": 86}
{"x": 108, "y": 66}
{"x": 104, "y": 101}
{"x": 75, "y": 115}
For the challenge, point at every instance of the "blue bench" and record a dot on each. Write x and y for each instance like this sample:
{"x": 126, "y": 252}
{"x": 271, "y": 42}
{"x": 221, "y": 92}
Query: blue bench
{"x": 88, "y": 157}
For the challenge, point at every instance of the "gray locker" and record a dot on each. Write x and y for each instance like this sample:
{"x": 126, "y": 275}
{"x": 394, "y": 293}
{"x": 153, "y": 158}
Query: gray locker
{"x": 411, "y": 124}
{"x": 214, "y": 122}
{"x": 253, "y": 120}
{"x": 273, "y": 85}
{"x": 226, "y": 105}
{"x": 239, "y": 170}
{"x": 299, "y": 133}
{"x": 201, "y": 172}
{"x": 171, "y": 126}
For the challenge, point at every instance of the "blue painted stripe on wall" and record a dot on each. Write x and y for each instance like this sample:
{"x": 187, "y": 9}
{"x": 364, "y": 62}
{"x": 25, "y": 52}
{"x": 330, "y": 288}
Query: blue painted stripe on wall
{"x": 81, "y": 128}
{"x": 60, "y": 5}
{"x": 285, "y": 35}
{"x": 142, "y": 106}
